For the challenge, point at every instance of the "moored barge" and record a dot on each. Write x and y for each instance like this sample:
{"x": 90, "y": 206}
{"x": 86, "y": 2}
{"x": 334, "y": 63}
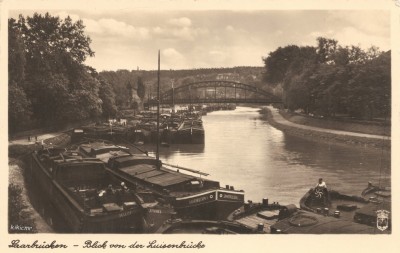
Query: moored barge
{"x": 190, "y": 132}
{"x": 304, "y": 222}
{"x": 361, "y": 209}
{"x": 86, "y": 196}
{"x": 191, "y": 196}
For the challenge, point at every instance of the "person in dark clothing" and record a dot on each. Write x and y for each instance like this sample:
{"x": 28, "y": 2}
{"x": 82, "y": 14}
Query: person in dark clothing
{"x": 321, "y": 192}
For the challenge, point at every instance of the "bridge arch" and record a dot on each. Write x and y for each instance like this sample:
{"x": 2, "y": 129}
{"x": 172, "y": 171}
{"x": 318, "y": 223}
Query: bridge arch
{"x": 267, "y": 97}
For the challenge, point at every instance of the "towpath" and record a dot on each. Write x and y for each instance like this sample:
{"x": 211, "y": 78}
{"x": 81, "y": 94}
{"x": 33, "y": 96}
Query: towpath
{"x": 26, "y": 141}
{"x": 281, "y": 120}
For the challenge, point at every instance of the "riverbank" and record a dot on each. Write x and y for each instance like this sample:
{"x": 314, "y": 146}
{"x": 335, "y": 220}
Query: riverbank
{"x": 326, "y": 135}
{"x": 375, "y": 127}
{"x": 24, "y": 218}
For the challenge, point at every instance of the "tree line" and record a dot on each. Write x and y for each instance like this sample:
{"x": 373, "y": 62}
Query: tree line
{"x": 330, "y": 79}
{"x": 49, "y": 84}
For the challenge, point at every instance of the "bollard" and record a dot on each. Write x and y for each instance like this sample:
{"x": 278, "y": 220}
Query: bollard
{"x": 265, "y": 201}
{"x": 260, "y": 227}
{"x": 336, "y": 214}
{"x": 318, "y": 210}
{"x": 326, "y": 211}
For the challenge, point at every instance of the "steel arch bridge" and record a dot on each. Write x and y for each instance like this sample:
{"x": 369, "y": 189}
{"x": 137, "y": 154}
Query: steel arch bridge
{"x": 169, "y": 97}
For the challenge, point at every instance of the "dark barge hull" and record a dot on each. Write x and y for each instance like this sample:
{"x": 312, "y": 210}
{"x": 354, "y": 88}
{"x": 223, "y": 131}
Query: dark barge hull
{"x": 72, "y": 213}
{"x": 189, "y": 136}
{"x": 207, "y": 202}
{"x": 211, "y": 205}
{"x": 214, "y": 204}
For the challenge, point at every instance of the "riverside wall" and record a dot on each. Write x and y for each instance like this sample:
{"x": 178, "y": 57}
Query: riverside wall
{"x": 329, "y": 138}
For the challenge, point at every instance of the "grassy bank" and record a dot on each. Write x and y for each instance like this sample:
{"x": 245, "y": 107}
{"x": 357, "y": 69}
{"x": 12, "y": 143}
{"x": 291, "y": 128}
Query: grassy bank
{"x": 22, "y": 217}
{"x": 327, "y": 137}
{"x": 365, "y": 127}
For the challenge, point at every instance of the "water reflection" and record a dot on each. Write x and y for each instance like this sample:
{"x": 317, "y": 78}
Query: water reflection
{"x": 243, "y": 150}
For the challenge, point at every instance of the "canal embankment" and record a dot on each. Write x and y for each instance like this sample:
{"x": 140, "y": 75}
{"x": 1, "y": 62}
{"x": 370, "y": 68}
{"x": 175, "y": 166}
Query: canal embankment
{"x": 23, "y": 217}
{"x": 371, "y": 136}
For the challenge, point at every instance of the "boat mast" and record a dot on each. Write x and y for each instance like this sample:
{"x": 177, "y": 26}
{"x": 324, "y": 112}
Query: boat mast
{"x": 158, "y": 111}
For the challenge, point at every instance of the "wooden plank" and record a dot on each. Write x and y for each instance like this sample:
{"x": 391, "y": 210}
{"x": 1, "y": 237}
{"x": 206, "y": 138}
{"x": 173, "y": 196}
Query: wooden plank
{"x": 191, "y": 170}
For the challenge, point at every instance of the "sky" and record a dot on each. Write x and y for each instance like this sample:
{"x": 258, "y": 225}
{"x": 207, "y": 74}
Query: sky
{"x": 129, "y": 39}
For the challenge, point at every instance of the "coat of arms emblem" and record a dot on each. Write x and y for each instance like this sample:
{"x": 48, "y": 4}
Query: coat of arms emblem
{"x": 382, "y": 219}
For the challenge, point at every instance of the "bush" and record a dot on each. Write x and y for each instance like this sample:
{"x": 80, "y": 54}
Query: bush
{"x": 17, "y": 215}
{"x": 15, "y": 151}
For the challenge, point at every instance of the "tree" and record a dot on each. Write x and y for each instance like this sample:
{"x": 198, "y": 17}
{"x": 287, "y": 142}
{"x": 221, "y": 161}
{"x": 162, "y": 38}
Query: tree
{"x": 129, "y": 87}
{"x": 277, "y": 63}
{"x": 85, "y": 97}
{"x": 47, "y": 36}
{"x": 331, "y": 79}
{"x": 19, "y": 107}
{"x": 326, "y": 48}
{"x": 47, "y": 70}
{"x": 16, "y": 53}
{"x": 369, "y": 88}
{"x": 107, "y": 96}
{"x": 287, "y": 66}
{"x": 141, "y": 89}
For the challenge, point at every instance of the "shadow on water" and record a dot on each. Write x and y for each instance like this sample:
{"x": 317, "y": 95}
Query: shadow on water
{"x": 348, "y": 167}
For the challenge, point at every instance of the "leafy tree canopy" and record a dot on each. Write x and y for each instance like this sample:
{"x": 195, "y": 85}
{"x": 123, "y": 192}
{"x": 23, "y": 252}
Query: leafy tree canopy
{"x": 329, "y": 79}
{"x": 49, "y": 82}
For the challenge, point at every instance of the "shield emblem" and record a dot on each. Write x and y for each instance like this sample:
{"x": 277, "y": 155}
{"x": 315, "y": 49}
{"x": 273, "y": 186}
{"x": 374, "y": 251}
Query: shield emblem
{"x": 382, "y": 219}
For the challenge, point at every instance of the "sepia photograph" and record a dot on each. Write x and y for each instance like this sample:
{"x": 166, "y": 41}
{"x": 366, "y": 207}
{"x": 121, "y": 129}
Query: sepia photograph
{"x": 196, "y": 119}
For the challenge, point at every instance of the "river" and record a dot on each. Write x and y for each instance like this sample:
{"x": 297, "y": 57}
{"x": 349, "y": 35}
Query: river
{"x": 243, "y": 150}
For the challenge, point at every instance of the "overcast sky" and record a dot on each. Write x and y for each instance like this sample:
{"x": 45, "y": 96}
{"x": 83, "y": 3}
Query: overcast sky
{"x": 128, "y": 39}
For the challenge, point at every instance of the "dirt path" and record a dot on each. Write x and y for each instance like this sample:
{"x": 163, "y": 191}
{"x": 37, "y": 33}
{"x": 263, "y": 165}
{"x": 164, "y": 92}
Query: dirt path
{"x": 279, "y": 119}
{"x": 25, "y": 141}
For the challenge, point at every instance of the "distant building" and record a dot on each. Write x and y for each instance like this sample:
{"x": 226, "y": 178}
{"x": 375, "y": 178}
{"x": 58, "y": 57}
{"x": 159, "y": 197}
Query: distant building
{"x": 228, "y": 77}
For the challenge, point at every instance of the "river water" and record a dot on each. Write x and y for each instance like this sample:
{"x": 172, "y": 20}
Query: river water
{"x": 243, "y": 150}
